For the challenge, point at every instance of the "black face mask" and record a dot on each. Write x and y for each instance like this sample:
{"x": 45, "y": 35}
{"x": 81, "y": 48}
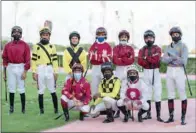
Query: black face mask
{"x": 107, "y": 76}
{"x": 132, "y": 78}
{"x": 150, "y": 43}
{"x": 44, "y": 41}
{"x": 176, "y": 39}
{"x": 16, "y": 37}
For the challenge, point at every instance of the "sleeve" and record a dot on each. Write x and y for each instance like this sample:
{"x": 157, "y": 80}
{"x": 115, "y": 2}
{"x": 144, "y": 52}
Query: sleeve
{"x": 115, "y": 91}
{"x": 34, "y": 59}
{"x": 116, "y": 60}
{"x": 155, "y": 57}
{"x": 166, "y": 58}
{"x": 5, "y": 56}
{"x": 54, "y": 60}
{"x": 97, "y": 101}
{"x": 66, "y": 89}
{"x": 88, "y": 94}
{"x": 66, "y": 62}
{"x": 123, "y": 90}
{"x": 144, "y": 91}
{"x": 83, "y": 59}
{"x": 109, "y": 54}
{"x": 130, "y": 58}
{"x": 184, "y": 56}
{"x": 141, "y": 61}
{"x": 91, "y": 56}
{"x": 27, "y": 57}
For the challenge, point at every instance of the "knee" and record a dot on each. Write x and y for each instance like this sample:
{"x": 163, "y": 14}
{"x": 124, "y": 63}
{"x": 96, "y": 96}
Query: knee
{"x": 145, "y": 106}
{"x": 85, "y": 108}
{"x": 107, "y": 99}
{"x": 120, "y": 103}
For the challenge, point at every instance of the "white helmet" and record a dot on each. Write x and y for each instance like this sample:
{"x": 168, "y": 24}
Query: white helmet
{"x": 132, "y": 67}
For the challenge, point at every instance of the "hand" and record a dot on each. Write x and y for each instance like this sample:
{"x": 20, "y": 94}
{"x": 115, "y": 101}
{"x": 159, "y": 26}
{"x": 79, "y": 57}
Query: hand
{"x": 24, "y": 75}
{"x": 4, "y": 77}
{"x": 92, "y": 107}
{"x": 144, "y": 57}
{"x": 80, "y": 103}
{"x": 97, "y": 95}
{"x": 104, "y": 53}
{"x": 126, "y": 100}
{"x": 55, "y": 76}
{"x": 35, "y": 76}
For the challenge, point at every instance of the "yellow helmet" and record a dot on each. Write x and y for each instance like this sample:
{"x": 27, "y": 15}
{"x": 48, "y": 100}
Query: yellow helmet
{"x": 45, "y": 30}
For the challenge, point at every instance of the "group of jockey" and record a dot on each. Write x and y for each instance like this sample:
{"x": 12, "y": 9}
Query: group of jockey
{"x": 109, "y": 93}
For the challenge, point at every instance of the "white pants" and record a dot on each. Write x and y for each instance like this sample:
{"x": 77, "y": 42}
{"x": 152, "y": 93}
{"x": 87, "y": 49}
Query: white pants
{"x": 121, "y": 72}
{"x": 96, "y": 78}
{"x": 107, "y": 103}
{"x": 148, "y": 74}
{"x": 45, "y": 78}
{"x": 84, "y": 108}
{"x": 175, "y": 78}
{"x": 15, "y": 72}
{"x": 120, "y": 103}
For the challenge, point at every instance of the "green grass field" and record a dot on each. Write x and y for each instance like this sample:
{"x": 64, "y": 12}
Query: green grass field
{"x": 32, "y": 121}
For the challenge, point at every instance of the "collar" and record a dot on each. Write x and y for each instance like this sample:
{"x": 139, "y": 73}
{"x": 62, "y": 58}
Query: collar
{"x": 100, "y": 42}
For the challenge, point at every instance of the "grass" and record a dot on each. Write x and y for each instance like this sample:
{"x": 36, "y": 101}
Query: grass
{"x": 32, "y": 121}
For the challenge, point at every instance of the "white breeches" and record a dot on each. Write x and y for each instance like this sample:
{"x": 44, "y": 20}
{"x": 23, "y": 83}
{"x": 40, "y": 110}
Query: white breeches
{"x": 14, "y": 76}
{"x": 96, "y": 78}
{"x": 148, "y": 74}
{"x": 45, "y": 78}
{"x": 70, "y": 103}
{"x": 175, "y": 78}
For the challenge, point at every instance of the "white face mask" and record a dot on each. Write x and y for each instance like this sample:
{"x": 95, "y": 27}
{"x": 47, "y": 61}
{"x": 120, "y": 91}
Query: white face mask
{"x": 77, "y": 76}
{"x": 123, "y": 42}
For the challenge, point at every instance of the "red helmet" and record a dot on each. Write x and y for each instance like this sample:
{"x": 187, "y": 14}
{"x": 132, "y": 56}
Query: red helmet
{"x": 123, "y": 32}
{"x": 102, "y": 30}
{"x": 77, "y": 66}
{"x": 133, "y": 94}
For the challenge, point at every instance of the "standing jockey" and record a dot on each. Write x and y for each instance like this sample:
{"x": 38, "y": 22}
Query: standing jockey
{"x": 99, "y": 53}
{"x": 176, "y": 55}
{"x": 16, "y": 58}
{"x": 45, "y": 68}
{"x": 133, "y": 90}
{"x": 109, "y": 93}
{"x": 76, "y": 92}
{"x": 73, "y": 54}
{"x": 123, "y": 55}
{"x": 149, "y": 58}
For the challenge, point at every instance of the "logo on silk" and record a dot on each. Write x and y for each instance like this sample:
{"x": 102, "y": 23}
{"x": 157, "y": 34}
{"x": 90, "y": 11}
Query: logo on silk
{"x": 132, "y": 94}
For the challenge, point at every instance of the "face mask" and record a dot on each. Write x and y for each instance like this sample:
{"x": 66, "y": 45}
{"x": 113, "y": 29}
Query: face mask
{"x": 100, "y": 39}
{"x": 150, "y": 43}
{"x": 107, "y": 76}
{"x": 16, "y": 37}
{"x": 44, "y": 41}
{"x": 123, "y": 42}
{"x": 77, "y": 76}
{"x": 132, "y": 78}
{"x": 176, "y": 39}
